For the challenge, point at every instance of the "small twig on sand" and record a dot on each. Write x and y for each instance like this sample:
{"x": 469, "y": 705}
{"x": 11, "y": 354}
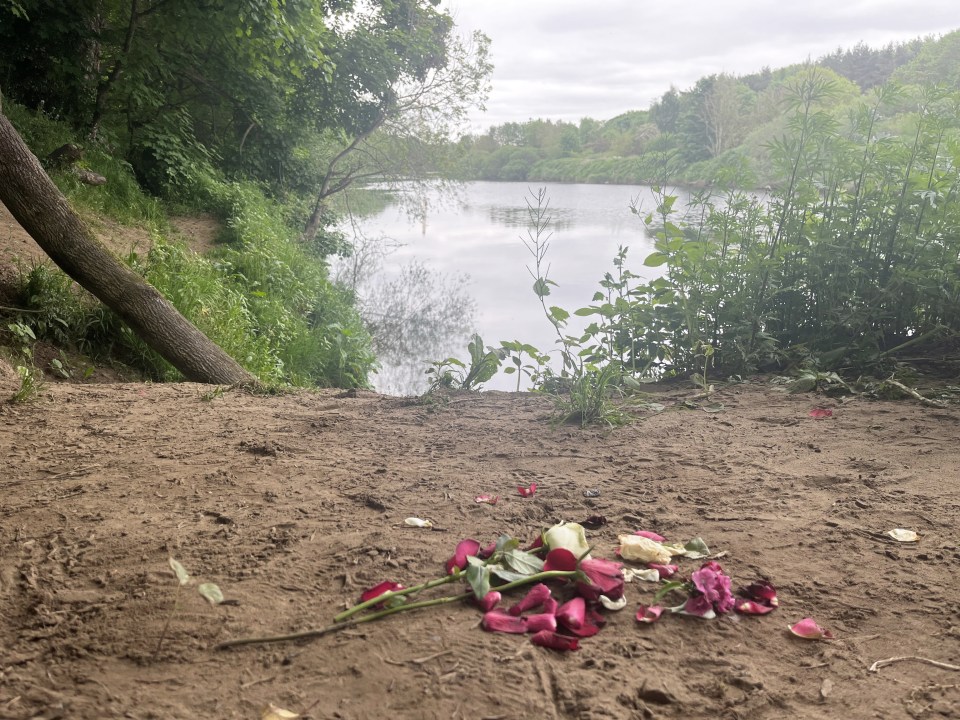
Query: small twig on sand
{"x": 915, "y": 395}
{"x": 890, "y": 661}
{"x": 305, "y": 635}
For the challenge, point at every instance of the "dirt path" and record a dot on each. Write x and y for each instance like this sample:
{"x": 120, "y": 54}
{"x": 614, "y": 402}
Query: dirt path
{"x": 295, "y": 504}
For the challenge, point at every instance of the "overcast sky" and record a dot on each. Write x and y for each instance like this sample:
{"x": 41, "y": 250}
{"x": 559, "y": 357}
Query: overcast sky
{"x": 566, "y": 59}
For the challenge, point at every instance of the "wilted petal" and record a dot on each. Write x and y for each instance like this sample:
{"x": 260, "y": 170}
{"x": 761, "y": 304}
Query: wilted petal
{"x": 714, "y": 585}
{"x": 569, "y": 536}
{"x": 537, "y": 595}
{"x": 465, "y": 548}
{"x": 762, "y": 592}
{"x": 571, "y": 614}
{"x": 649, "y": 535}
{"x": 541, "y": 621}
{"x": 666, "y": 571}
{"x": 819, "y": 413}
{"x": 489, "y": 601}
{"x": 642, "y": 549}
{"x": 649, "y": 613}
{"x": 698, "y": 606}
{"x": 378, "y": 590}
{"x": 487, "y": 551}
{"x": 902, "y": 535}
{"x": 555, "y": 641}
{"x": 809, "y": 630}
{"x": 613, "y": 605}
{"x": 527, "y": 491}
{"x": 592, "y": 623}
{"x": 499, "y": 621}
{"x": 550, "y": 605}
{"x": 751, "y": 607}
{"x": 560, "y": 559}
{"x": 605, "y": 579}
{"x": 646, "y": 574}
{"x": 488, "y": 499}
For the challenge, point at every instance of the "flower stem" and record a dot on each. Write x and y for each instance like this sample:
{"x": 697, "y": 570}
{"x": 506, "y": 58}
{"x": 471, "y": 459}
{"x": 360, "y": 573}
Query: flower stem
{"x": 436, "y": 582}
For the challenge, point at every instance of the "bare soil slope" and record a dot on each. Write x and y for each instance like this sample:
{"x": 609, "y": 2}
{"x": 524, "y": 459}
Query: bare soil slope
{"x": 295, "y": 504}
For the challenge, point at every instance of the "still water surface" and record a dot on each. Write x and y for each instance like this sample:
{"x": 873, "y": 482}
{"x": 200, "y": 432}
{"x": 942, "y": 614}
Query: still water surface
{"x": 480, "y": 234}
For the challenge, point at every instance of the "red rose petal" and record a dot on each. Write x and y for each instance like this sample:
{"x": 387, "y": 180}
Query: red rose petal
{"x": 649, "y": 613}
{"x": 809, "y": 630}
{"x": 488, "y": 499}
{"x": 489, "y": 601}
{"x": 465, "y": 548}
{"x": 555, "y": 641}
{"x": 560, "y": 559}
{"x": 666, "y": 571}
{"x": 820, "y": 413}
{"x": 499, "y": 621}
{"x": 750, "y": 607}
{"x": 572, "y": 613}
{"x": 378, "y": 590}
{"x": 537, "y": 595}
{"x": 650, "y": 535}
{"x": 541, "y": 621}
{"x": 527, "y": 491}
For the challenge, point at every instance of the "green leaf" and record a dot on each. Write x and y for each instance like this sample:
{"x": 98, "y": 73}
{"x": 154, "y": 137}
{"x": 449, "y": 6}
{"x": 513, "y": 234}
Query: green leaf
{"x": 541, "y": 287}
{"x": 656, "y": 259}
{"x": 506, "y": 542}
{"x": 559, "y": 314}
{"x": 523, "y": 562}
{"x": 211, "y": 592}
{"x": 505, "y": 574}
{"x": 478, "y": 576}
{"x": 182, "y": 576}
{"x": 696, "y": 549}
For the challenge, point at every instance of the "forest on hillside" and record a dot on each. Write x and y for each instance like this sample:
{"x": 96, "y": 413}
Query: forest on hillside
{"x": 716, "y": 132}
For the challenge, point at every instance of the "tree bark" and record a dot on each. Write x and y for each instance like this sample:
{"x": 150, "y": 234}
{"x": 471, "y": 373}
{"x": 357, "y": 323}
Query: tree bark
{"x": 45, "y": 214}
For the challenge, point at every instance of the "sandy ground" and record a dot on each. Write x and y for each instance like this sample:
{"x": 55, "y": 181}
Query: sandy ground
{"x": 295, "y": 504}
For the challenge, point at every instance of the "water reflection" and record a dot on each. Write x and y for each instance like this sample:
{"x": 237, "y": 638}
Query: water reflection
{"x": 481, "y": 237}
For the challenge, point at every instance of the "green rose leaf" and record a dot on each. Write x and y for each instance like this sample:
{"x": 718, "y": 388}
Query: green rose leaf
{"x": 478, "y": 576}
{"x": 523, "y": 562}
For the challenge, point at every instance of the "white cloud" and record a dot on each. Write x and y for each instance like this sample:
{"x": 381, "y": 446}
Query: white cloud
{"x": 566, "y": 59}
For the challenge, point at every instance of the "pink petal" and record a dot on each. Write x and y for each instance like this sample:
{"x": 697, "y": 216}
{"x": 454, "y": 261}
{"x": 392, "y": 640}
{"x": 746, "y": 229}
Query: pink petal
{"x": 820, "y": 413}
{"x": 572, "y": 613}
{"x": 550, "y": 606}
{"x": 537, "y": 543}
{"x": 528, "y": 491}
{"x": 749, "y": 607}
{"x": 489, "y": 601}
{"x": 605, "y": 579}
{"x": 488, "y": 499}
{"x": 649, "y": 613}
{"x": 666, "y": 571}
{"x": 499, "y": 621}
{"x": 650, "y": 535}
{"x": 809, "y": 630}
{"x": 762, "y": 592}
{"x": 591, "y": 624}
{"x": 487, "y": 551}
{"x": 378, "y": 590}
{"x": 541, "y": 621}
{"x": 560, "y": 559}
{"x": 465, "y": 548}
{"x": 555, "y": 641}
{"x": 537, "y": 595}
{"x": 699, "y": 606}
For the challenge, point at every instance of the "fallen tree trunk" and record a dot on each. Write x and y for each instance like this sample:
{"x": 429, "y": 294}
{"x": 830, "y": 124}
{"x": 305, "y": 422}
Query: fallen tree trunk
{"x": 43, "y": 211}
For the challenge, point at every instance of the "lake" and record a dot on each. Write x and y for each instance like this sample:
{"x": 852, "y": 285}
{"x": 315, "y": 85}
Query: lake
{"x": 480, "y": 232}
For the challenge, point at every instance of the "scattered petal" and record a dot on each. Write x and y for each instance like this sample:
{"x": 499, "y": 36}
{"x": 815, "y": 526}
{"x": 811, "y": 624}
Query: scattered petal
{"x": 762, "y": 592}
{"x": 605, "y": 579}
{"x": 489, "y": 601}
{"x": 642, "y": 549}
{"x": 593, "y": 522}
{"x": 751, "y": 607}
{"x": 487, "y": 551}
{"x": 649, "y": 613}
{"x": 613, "y": 605}
{"x": 211, "y": 593}
{"x": 272, "y": 712}
{"x": 592, "y": 623}
{"x": 555, "y": 641}
{"x": 465, "y": 549}
{"x": 696, "y": 549}
{"x": 550, "y": 605}
{"x": 183, "y": 577}
{"x": 527, "y": 491}
{"x": 698, "y": 606}
{"x": 714, "y": 586}
{"x": 666, "y": 571}
{"x": 570, "y": 536}
{"x": 560, "y": 559}
{"x": 418, "y": 523}
{"x": 499, "y": 621}
{"x": 378, "y": 590}
{"x": 591, "y": 493}
{"x": 901, "y": 535}
{"x": 820, "y": 413}
{"x": 572, "y": 613}
{"x": 541, "y": 621}
{"x": 809, "y": 630}
{"x": 645, "y": 574}
{"x": 649, "y": 535}
{"x": 536, "y": 596}
{"x": 488, "y": 499}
